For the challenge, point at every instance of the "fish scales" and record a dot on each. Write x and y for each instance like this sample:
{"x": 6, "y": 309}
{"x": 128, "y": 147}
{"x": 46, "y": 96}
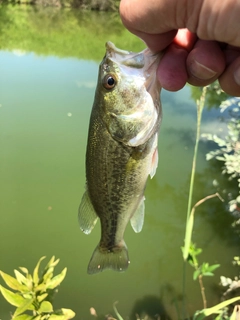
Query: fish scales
{"x": 119, "y": 159}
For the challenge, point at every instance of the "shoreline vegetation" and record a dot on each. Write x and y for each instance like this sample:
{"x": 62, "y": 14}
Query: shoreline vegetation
{"x": 96, "y": 5}
{"x": 65, "y": 32}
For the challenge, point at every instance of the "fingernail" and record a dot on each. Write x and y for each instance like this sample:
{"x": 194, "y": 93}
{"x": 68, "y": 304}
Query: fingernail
{"x": 237, "y": 76}
{"x": 200, "y": 71}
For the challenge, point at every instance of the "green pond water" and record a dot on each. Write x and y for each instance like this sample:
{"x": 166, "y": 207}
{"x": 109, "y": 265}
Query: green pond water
{"x": 48, "y": 70}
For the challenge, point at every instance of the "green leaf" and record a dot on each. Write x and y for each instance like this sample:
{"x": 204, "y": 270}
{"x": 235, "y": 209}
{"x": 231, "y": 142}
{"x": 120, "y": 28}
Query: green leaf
{"x": 213, "y": 267}
{"x": 116, "y": 311}
{"x": 25, "y": 306}
{"x": 57, "y": 280}
{"x": 14, "y": 299}
{"x": 188, "y": 235}
{"x": 35, "y": 272}
{"x": 12, "y": 282}
{"x": 196, "y": 274}
{"x": 46, "y": 307}
{"x": 24, "y": 317}
{"x": 207, "y": 274}
{"x": 199, "y": 315}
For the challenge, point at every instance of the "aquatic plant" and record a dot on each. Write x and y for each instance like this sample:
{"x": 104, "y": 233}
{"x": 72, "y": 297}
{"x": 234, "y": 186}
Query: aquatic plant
{"x": 228, "y": 150}
{"x": 34, "y": 293}
{"x": 190, "y": 251}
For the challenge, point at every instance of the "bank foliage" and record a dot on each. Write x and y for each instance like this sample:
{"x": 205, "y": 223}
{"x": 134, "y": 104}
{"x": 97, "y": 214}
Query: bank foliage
{"x": 62, "y": 32}
{"x": 99, "y": 5}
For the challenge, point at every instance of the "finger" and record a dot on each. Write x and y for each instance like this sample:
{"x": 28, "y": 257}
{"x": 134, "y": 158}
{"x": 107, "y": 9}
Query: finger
{"x": 205, "y": 63}
{"x": 152, "y": 16}
{"x": 172, "y": 72}
{"x": 230, "y": 79}
{"x": 209, "y": 19}
{"x": 185, "y": 39}
{"x": 156, "y": 42}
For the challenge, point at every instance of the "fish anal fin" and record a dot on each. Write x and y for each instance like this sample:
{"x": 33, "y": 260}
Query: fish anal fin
{"x": 87, "y": 216}
{"x": 115, "y": 259}
{"x": 137, "y": 219}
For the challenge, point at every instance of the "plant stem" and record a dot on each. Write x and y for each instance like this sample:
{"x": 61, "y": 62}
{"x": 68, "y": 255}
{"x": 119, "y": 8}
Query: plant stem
{"x": 200, "y": 105}
{"x": 202, "y": 292}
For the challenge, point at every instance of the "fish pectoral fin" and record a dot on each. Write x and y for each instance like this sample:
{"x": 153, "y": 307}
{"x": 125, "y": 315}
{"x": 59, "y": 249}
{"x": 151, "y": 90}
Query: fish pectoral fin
{"x": 137, "y": 219}
{"x": 154, "y": 163}
{"x": 115, "y": 259}
{"x": 87, "y": 216}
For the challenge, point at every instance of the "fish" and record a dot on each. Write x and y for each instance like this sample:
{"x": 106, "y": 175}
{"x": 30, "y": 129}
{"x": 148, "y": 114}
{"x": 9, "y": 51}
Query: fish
{"x": 121, "y": 152}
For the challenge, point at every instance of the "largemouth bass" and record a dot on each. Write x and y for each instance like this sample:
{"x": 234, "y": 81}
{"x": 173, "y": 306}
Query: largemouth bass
{"x": 121, "y": 151}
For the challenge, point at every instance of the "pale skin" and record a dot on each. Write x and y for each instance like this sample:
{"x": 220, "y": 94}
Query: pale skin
{"x": 200, "y": 38}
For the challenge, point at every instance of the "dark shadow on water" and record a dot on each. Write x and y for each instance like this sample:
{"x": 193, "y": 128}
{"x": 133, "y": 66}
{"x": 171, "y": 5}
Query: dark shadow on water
{"x": 150, "y": 307}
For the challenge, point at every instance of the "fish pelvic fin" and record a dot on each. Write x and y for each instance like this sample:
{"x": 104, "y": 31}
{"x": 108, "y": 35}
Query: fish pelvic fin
{"x": 115, "y": 259}
{"x": 87, "y": 216}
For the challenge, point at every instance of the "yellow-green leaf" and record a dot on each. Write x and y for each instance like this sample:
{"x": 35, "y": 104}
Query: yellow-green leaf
{"x": 57, "y": 280}
{"x": 209, "y": 311}
{"x": 235, "y": 314}
{"x": 52, "y": 263}
{"x": 24, "y": 317}
{"x": 14, "y": 299}
{"x": 57, "y": 317}
{"x": 62, "y": 314}
{"x": 12, "y": 282}
{"x": 46, "y": 307}
{"x": 48, "y": 274}
{"x": 35, "y": 272}
{"x": 20, "y": 277}
{"x": 42, "y": 297}
{"x": 25, "y": 270}
{"x": 25, "y": 306}
{"x": 69, "y": 313}
{"x": 41, "y": 287}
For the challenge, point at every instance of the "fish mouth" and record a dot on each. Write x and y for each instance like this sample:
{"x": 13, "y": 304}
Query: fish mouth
{"x": 127, "y": 58}
{"x": 145, "y": 64}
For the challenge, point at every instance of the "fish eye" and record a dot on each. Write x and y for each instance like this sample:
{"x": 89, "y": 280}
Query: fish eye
{"x": 109, "y": 81}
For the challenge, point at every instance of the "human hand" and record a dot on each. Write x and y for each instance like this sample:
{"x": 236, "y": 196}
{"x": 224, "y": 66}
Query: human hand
{"x": 201, "y": 39}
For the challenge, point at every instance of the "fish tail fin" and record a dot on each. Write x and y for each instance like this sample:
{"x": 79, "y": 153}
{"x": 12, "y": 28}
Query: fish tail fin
{"x": 115, "y": 259}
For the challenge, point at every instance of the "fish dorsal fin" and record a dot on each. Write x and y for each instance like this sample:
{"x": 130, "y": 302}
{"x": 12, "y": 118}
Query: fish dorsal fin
{"x": 87, "y": 216}
{"x": 138, "y": 217}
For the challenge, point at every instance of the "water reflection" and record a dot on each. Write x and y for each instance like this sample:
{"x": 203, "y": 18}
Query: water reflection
{"x": 49, "y": 63}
